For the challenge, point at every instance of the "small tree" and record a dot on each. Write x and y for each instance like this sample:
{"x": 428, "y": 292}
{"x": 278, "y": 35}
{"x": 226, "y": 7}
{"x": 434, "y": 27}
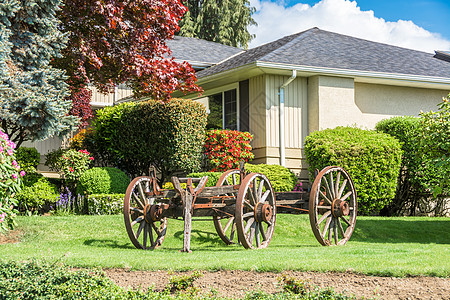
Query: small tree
{"x": 33, "y": 104}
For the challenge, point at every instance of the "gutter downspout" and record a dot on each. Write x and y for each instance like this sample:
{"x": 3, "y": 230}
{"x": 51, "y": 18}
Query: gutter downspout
{"x": 281, "y": 93}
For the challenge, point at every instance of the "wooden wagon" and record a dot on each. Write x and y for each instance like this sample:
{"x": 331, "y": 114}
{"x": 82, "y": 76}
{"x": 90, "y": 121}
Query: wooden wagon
{"x": 243, "y": 207}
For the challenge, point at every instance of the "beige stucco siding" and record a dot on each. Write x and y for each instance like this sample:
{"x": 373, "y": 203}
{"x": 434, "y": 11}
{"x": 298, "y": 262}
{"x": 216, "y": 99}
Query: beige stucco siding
{"x": 376, "y": 102}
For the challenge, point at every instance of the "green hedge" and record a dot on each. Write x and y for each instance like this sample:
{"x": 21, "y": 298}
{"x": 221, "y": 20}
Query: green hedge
{"x": 39, "y": 192}
{"x": 105, "y": 204}
{"x": 281, "y": 178}
{"x": 168, "y": 136}
{"x": 104, "y": 180}
{"x": 372, "y": 159}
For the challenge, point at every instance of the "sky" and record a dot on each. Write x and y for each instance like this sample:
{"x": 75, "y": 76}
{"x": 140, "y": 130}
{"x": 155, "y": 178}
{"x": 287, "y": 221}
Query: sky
{"x": 416, "y": 24}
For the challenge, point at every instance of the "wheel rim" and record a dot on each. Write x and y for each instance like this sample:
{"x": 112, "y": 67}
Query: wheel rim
{"x": 255, "y": 211}
{"x": 226, "y": 226}
{"x": 139, "y": 211}
{"x": 333, "y": 206}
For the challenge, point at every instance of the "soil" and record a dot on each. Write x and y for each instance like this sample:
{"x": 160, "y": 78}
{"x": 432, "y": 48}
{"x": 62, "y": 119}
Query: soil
{"x": 236, "y": 283}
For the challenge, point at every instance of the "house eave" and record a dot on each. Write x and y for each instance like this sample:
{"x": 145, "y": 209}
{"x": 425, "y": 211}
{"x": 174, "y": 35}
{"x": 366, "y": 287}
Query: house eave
{"x": 259, "y": 67}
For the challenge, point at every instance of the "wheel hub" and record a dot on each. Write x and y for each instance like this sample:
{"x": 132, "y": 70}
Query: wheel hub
{"x": 263, "y": 212}
{"x": 153, "y": 212}
{"x": 340, "y": 208}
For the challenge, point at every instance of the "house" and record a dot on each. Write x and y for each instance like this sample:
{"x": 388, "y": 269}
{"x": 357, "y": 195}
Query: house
{"x": 315, "y": 79}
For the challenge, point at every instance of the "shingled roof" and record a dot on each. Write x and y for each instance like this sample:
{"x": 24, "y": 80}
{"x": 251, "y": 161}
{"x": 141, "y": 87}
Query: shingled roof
{"x": 324, "y": 49}
{"x": 200, "y": 52}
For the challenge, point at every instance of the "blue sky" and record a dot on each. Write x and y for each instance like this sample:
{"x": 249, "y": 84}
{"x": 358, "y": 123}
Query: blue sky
{"x": 417, "y": 24}
{"x": 432, "y": 15}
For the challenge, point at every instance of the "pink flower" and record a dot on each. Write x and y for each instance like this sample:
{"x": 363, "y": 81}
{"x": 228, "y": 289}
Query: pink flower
{"x": 22, "y": 173}
{"x": 2, "y": 217}
{"x": 1, "y": 149}
{"x": 14, "y": 163}
{"x": 91, "y": 158}
{"x": 10, "y": 152}
{"x": 70, "y": 169}
{"x": 14, "y": 176}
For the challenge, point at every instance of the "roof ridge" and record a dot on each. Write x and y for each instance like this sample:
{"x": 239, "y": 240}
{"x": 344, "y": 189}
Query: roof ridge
{"x": 299, "y": 36}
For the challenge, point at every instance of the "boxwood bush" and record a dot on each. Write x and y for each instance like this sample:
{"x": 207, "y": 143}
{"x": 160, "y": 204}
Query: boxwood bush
{"x": 169, "y": 136}
{"x": 371, "y": 158}
{"x": 103, "y": 180}
{"x": 105, "y": 204}
{"x": 281, "y": 178}
{"x": 39, "y": 192}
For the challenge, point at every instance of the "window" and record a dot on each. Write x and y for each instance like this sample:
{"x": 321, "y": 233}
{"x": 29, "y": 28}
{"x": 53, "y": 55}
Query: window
{"x": 223, "y": 110}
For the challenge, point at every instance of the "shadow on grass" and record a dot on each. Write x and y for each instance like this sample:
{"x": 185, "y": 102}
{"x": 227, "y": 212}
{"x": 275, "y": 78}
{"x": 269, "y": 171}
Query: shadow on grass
{"x": 407, "y": 230}
{"x": 108, "y": 243}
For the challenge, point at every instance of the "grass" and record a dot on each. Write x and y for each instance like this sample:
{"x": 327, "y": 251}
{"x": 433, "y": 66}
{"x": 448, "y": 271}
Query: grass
{"x": 379, "y": 246}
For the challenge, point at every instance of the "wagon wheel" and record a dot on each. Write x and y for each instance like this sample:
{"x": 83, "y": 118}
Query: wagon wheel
{"x": 144, "y": 233}
{"x": 255, "y": 211}
{"x": 226, "y": 226}
{"x": 333, "y": 206}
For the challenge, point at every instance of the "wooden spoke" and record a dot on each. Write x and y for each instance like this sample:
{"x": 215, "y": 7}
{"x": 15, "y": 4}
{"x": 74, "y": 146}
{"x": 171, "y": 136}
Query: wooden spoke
{"x": 141, "y": 192}
{"x": 257, "y": 237}
{"x": 150, "y": 233}
{"x": 333, "y": 195}
{"x": 134, "y": 209}
{"x": 325, "y": 215}
{"x": 264, "y": 197}
{"x": 327, "y": 187}
{"x": 141, "y": 226}
{"x": 139, "y": 219}
{"x": 327, "y": 224}
{"x": 325, "y": 197}
{"x": 252, "y": 233}
{"x": 248, "y": 205}
{"x": 260, "y": 190}
{"x": 345, "y": 220}
{"x": 249, "y": 224}
{"x": 346, "y": 196}
{"x": 323, "y": 207}
{"x": 138, "y": 201}
{"x": 249, "y": 214}
{"x": 144, "y": 243}
{"x": 341, "y": 229}
{"x": 341, "y": 190}
{"x": 330, "y": 230}
{"x": 336, "y": 184}
{"x": 335, "y": 232}
{"x": 263, "y": 233}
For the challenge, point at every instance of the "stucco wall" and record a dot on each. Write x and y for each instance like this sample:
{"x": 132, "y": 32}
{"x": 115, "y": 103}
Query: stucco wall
{"x": 376, "y": 102}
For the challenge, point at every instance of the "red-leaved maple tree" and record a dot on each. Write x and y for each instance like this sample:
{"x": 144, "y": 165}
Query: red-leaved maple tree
{"x": 113, "y": 42}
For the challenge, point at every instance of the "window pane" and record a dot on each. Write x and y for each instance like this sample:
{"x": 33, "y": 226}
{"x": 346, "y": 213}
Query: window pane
{"x": 215, "y": 112}
{"x": 230, "y": 110}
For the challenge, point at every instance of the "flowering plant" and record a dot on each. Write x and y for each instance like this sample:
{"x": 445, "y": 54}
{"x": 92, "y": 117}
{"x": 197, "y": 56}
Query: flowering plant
{"x": 225, "y": 148}
{"x": 70, "y": 163}
{"x": 10, "y": 181}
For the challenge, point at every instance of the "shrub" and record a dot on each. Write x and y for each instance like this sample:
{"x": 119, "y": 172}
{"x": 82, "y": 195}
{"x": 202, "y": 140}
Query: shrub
{"x": 168, "y": 136}
{"x": 224, "y": 149}
{"x": 77, "y": 142}
{"x": 39, "y": 193}
{"x": 28, "y": 158}
{"x": 105, "y": 204}
{"x": 10, "y": 181}
{"x": 281, "y": 178}
{"x": 371, "y": 158}
{"x": 70, "y": 163}
{"x": 405, "y": 129}
{"x": 104, "y": 180}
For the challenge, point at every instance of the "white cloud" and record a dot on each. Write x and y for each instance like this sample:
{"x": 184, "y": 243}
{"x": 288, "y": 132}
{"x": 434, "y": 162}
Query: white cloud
{"x": 341, "y": 16}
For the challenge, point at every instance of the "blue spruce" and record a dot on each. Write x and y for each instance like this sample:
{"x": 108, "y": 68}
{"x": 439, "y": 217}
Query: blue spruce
{"x": 33, "y": 94}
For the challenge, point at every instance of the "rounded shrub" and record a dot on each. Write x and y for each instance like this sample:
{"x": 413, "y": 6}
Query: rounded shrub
{"x": 281, "y": 178}
{"x": 104, "y": 180}
{"x": 37, "y": 194}
{"x": 371, "y": 158}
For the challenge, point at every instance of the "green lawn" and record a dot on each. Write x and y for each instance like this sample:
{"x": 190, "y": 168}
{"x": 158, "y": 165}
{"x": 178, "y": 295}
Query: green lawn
{"x": 382, "y": 246}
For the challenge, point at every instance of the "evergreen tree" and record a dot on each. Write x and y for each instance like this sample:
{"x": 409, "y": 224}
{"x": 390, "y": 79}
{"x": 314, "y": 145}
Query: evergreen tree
{"x": 222, "y": 21}
{"x": 33, "y": 103}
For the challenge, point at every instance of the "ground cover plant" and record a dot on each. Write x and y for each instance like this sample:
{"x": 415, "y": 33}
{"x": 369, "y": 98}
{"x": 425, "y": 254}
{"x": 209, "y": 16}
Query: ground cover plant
{"x": 393, "y": 246}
